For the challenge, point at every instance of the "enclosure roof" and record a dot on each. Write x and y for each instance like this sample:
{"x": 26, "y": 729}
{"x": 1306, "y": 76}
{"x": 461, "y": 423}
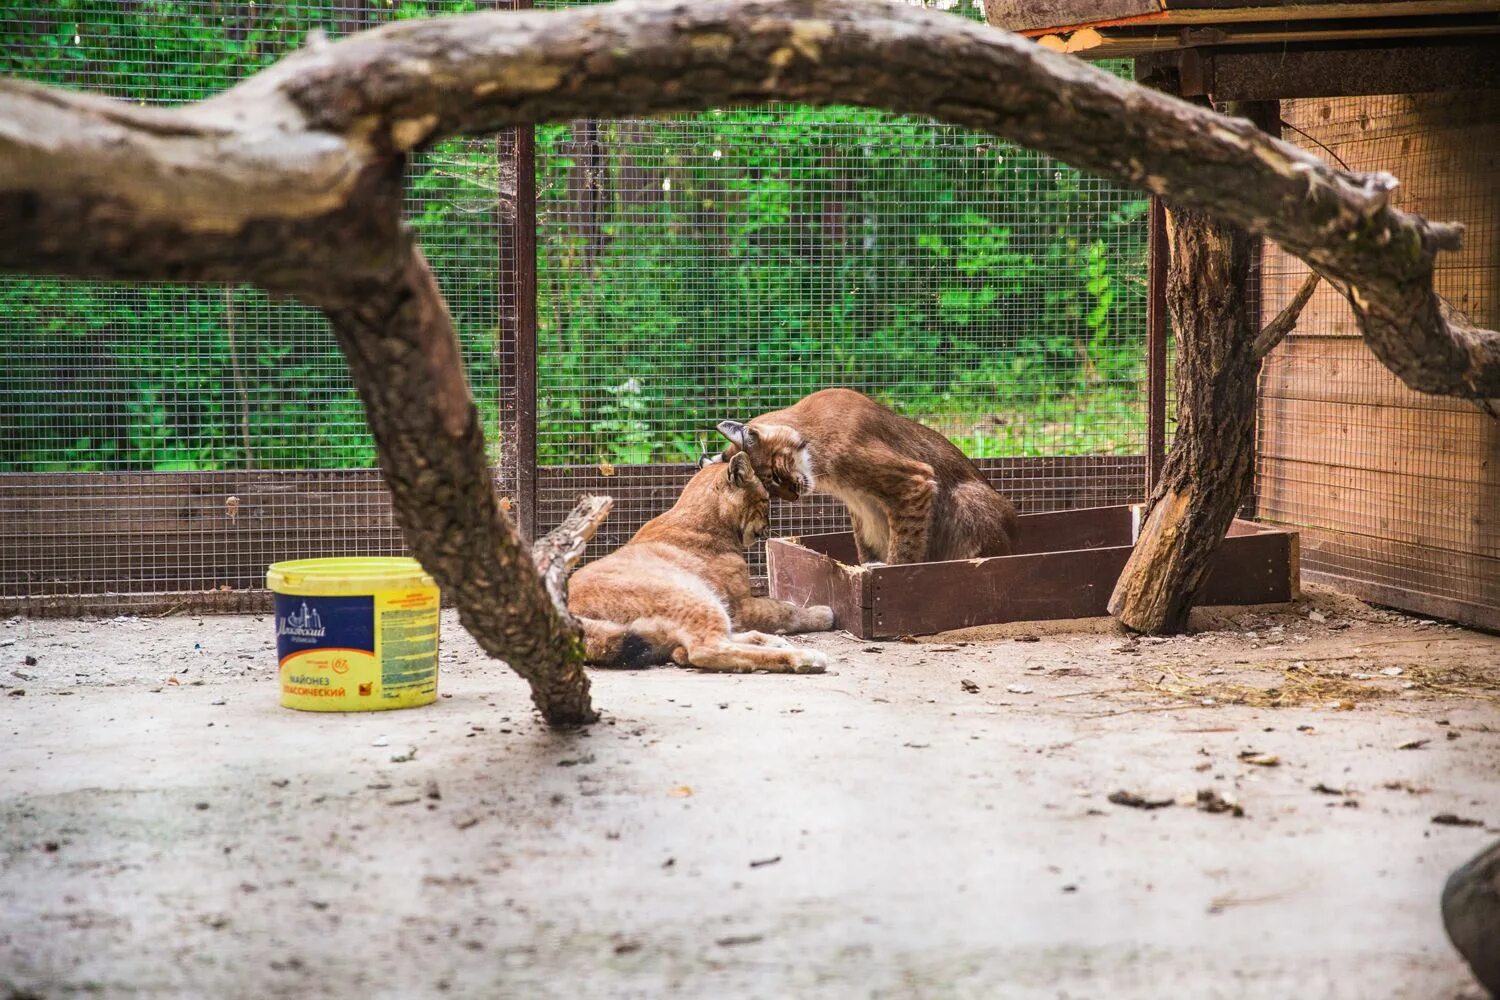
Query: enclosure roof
{"x": 1107, "y": 29}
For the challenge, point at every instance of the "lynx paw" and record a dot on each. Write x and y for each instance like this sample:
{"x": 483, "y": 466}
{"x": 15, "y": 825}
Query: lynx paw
{"x": 809, "y": 661}
{"x": 821, "y": 618}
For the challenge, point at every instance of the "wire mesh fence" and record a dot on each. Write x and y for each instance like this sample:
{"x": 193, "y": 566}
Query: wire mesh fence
{"x": 164, "y": 439}
{"x": 161, "y": 439}
{"x": 724, "y": 264}
{"x": 1397, "y": 493}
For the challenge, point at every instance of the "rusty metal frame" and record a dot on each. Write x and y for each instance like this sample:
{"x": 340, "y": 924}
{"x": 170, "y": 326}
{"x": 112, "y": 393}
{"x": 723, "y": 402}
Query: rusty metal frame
{"x": 1156, "y": 343}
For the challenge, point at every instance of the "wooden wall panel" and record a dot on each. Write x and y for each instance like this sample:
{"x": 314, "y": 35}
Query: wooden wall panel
{"x": 73, "y": 542}
{"x": 1397, "y": 493}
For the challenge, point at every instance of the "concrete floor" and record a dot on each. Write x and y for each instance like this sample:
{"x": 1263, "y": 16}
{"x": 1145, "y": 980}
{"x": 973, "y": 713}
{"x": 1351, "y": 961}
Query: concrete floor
{"x": 168, "y": 830}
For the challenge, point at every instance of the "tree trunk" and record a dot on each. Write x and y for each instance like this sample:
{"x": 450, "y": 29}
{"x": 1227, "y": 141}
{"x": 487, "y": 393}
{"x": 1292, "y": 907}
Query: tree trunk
{"x": 1207, "y": 472}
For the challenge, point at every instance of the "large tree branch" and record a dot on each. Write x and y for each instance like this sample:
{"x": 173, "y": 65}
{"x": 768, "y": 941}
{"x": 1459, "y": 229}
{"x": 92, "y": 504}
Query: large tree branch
{"x": 405, "y": 360}
{"x": 269, "y": 160}
{"x": 1285, "y": 321}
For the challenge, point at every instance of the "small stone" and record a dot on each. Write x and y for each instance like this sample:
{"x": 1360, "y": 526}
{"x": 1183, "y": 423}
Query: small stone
{"x": 1317, "y": 616}
{"x": 1018, "y": 689}
{"x": 380, "y": 741}
{"x": 1392, "y": 671}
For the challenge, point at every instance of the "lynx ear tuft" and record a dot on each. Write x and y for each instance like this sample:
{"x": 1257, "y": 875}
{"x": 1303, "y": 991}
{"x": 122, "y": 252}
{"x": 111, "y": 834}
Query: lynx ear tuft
{"x": 737, "y": 432}
{"x": 733, "y": 430}
{"x": 740, "y": 470}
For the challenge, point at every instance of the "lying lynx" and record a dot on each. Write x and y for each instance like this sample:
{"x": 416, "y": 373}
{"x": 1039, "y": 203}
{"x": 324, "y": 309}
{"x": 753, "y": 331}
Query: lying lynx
{"x": 912, "y": 495}
{"x": 680, "y": 589}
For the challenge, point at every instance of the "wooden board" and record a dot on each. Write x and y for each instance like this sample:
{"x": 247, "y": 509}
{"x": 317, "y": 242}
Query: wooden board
{"x": 1393, "y": 441}
{"x": 1359, "y": 60}
{"x": 1035, "y": 16}
{"x": 75, "y": 536}
{"x": 641, "y": 492}
{"x": 1340, "y": 370}
{"x": 1395, "y": 565}
{"x": 934, "y": 597}
{"x": 800, "y": 575}
{"x": 63, "y": 534}
{"x": 1255, "y": 565}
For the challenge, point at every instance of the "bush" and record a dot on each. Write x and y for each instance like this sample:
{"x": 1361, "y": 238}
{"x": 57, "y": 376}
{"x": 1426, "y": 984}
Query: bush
{"x": 689, "y": 269}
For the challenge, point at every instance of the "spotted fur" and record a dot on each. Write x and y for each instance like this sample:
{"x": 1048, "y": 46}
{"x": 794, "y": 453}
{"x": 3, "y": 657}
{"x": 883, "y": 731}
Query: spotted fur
{"x": 912, "y": 495}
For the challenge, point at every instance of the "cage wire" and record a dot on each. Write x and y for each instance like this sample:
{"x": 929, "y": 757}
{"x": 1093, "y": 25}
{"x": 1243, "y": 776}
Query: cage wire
{"x": 167, "y": 439}
{"x": 724, "y": 264}
{"x": 162, "y": 439}
{"x": 1397, "y": 492}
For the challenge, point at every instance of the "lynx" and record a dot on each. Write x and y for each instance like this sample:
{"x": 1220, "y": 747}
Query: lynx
{"x": 680, "y": 589}
{"x": 912, "y": 495}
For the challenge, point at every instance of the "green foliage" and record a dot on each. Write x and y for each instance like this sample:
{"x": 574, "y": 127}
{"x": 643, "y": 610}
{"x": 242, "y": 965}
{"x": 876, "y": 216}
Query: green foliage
{"x": 743, "y": 258}
{"x": 104, "y": 377}
{"x": 731, "y": 262}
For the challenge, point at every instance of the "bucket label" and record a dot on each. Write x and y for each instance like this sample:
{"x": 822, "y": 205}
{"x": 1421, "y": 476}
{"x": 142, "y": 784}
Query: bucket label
{"x": 326, "y": 645}
{"x": 348, "y": 653}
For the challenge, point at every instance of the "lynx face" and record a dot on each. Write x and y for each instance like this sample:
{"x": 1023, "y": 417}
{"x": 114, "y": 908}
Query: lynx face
{"x": 779, "y": 455}
{"x": 737, "y": 492}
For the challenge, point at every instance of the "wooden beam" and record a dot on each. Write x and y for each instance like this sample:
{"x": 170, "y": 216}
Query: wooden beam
{"x": 1156, "y": 343}
{"x": 1034, "y": 17}
{"x": 1031, "y": 15}
{"x": 1354, "y": 71}
{"x": 1132, "y": 42}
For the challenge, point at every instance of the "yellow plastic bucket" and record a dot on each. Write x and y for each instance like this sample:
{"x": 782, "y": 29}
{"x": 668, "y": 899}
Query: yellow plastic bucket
{"x": 355, "y": 635}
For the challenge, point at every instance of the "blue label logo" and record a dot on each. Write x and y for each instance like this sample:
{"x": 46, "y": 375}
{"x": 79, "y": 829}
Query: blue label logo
{"x": 304, "y": 623}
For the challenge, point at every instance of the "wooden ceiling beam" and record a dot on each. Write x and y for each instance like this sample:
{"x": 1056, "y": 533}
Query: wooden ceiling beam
{"x": 1038, "y": 17}
{"x": 1280, "y": 73}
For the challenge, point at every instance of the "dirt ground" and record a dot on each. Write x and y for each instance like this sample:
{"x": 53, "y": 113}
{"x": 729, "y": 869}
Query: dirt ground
{"x": 928, "y": 819}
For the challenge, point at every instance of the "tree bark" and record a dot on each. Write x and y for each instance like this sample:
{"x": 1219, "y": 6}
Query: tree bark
{"x": 1208, "y": 470}
{"x": 406, "y": 362}
{"x": 1471, "y": 914}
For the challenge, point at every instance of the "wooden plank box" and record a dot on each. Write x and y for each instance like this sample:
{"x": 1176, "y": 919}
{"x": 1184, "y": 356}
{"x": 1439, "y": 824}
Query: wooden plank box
{"x": 1066, "y": 568}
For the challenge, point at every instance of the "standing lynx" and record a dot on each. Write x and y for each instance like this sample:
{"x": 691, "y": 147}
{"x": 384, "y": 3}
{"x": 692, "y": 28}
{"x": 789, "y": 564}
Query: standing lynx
{"x": 912, "y": 495}
{"x": 680, "y": 589}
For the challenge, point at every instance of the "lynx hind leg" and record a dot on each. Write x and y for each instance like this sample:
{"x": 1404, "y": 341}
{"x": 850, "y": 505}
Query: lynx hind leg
{"x": 981, "y": 522}
{"x": 645, "y": 642}
{"x": 732, "y": 657}
{"x": 765, "y": 614}
{"x": 760, "y": 639}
